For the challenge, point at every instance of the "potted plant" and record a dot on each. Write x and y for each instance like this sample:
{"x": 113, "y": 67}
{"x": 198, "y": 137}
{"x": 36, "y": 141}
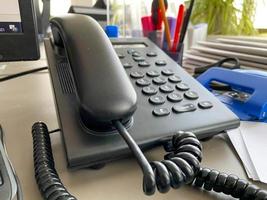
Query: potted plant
{"x": 225, "y": 17}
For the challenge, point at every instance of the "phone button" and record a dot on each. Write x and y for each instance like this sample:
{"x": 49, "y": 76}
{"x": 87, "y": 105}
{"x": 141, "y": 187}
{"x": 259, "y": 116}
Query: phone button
{"x": 149, "y": 90}
{"x": 139, "y": 59}
{"x": 159, "y": 80}
{"x": 167, "y": 72}
{"x": 121, "y": 56}
{"x": 143, "y": 64}
{"x": 137, "y": 74}
{"x": 136, "y": 54}
{"x": 166, "y": 88}
{"x": 161, "y": 63}
{"x": 175, "y": 97}
{"x": 127, "y": 65}
{"x": 184, "y": 108}
{"x": 191, "y": 95}
{"x": 205, "y": 104}
{"x": 182, "y": 86}
{"x": 143, "y": 82}
{"x": 159, "y": 112}
{"x": 175, "y": 79}
{"x": 151, "y": 54}
{"x": 153, "y": 73}
{"x": 130, "y": 51}
{"x": 157, "y": 100}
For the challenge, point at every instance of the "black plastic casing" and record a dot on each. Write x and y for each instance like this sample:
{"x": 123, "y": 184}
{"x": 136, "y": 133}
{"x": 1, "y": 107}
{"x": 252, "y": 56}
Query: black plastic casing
{"x": 86, "y": 147}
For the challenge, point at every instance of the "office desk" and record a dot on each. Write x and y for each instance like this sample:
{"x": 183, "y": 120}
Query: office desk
{"x": 28, "y": 99}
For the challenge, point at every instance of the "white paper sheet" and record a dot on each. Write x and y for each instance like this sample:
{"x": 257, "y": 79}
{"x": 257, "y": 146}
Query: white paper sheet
{"x": 255, "y": 139}
{"x": 240, "y": 147}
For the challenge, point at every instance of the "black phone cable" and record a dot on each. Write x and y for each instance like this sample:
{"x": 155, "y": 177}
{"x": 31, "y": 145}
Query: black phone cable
{"x": 234, "y": 60}
{"x": 180, "y": 166}
{"x": 46, "y": 175}
{"x": 12, "y": 76}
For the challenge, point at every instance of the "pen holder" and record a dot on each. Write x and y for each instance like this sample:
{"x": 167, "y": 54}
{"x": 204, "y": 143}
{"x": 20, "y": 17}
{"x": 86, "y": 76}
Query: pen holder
{"x": 157, "y": 38}
{"x": 177, "y": 56}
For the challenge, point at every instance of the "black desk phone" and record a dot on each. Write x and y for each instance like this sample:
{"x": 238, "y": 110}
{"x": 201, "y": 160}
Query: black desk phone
{"x": 110, "y": 94}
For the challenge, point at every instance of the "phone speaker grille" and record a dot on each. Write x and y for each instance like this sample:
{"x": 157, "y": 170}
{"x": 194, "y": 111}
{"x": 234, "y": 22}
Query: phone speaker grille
{"x": 65, "y": 78}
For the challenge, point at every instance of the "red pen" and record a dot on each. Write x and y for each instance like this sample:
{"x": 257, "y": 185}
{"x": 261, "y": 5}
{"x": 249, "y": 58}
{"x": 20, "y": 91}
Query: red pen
{"x": 179, "y": 22}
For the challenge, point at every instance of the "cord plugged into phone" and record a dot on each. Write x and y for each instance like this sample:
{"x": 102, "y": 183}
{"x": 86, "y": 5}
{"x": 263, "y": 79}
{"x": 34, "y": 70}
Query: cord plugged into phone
{"x": 101, "y": 107}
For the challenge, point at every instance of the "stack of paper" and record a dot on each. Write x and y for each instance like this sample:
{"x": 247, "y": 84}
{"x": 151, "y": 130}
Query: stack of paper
{"x": 250, "y": 142}
{"x": 251, "y": 52}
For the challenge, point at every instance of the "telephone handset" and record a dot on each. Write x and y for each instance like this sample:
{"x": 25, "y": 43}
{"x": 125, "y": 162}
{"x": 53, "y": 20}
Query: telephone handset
{"x": 96, "y": 100}
{"x": 115, "y": 97}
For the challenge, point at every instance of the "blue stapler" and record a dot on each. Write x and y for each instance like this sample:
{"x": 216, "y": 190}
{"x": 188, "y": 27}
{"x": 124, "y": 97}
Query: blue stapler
{"x": 243, "y": 91}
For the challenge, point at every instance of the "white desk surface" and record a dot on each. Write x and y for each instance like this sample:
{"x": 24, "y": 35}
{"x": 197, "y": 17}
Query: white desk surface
{"x": 28, "y": 99}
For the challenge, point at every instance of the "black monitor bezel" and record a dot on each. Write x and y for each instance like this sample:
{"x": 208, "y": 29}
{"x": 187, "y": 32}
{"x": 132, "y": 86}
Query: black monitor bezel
{"x": 24, "y": 45}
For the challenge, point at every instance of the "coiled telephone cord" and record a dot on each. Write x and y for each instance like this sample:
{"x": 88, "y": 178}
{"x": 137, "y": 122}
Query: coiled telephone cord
{"x": 180, "y": 166}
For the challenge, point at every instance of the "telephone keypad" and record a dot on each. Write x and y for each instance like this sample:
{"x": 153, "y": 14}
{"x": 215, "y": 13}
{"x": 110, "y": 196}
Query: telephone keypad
{"x": 159, "y": 112}
{"x": 161, "y": 86}
{"x": 157, "y": 100}
{"x": 149, "y": 90}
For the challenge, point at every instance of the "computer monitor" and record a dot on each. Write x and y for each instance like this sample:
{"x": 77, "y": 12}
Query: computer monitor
{"x": 18, "y": 31}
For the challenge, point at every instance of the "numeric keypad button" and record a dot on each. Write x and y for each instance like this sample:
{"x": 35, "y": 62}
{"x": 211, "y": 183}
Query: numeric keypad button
{"x": 166, "y": 88}
{"x": 149, "y": 90}
{"x": 175, "y": 97}
{"x": 182, "y": 86}
{"x": 184, "y": 108}
{"x": 151, "y": 54}
{"x": 167, "y": 72}
{"x": 175, "y": 79}
{"x": 137, "y": 74}
{"x": 143, "y": 82}
{"x": 157, "y": 100}
{"x": 205, "y": 105}
{"x": 191, "y": 95}
{"x": 153, "y": 73}
{"x": 159, "y": 80}
{"x": 160, "y": 112}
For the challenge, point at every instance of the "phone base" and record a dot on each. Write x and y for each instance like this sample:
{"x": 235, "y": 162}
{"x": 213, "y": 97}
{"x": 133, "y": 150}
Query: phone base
{"x": 85, "y": 149}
